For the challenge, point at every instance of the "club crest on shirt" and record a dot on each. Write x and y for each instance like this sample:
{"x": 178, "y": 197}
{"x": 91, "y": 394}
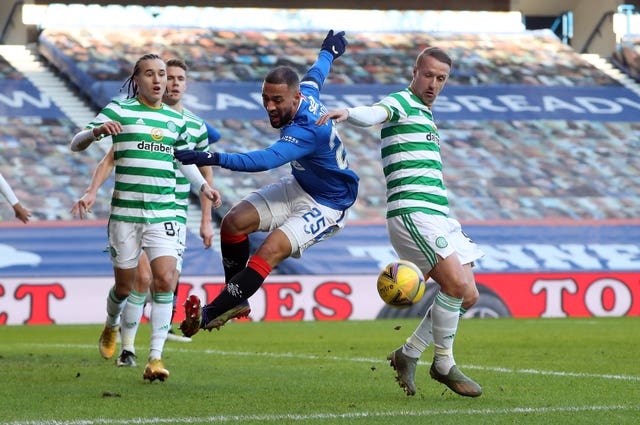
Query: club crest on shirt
{"x": 172, "y": 126}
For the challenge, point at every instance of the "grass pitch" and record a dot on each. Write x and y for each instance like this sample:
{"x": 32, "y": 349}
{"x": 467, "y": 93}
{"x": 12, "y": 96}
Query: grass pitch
{"x": 551, "y": 371}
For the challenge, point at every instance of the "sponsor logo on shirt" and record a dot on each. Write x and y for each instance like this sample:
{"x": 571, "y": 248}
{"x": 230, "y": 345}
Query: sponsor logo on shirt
{"x": 433, "y": 137}
{"x": 154, "y": 147}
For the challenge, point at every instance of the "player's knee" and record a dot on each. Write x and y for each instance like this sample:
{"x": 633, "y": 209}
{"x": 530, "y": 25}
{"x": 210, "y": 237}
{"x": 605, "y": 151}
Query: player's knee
{"x": 143, "y": 283}
{"x": 164, "y": 281}
{"x": 232, "y": 223}
{"x": 471, "y": 297}
{"x": 227, "y": 225}
{"x": 454, "y": 287}
{"x": 243, "y": 219}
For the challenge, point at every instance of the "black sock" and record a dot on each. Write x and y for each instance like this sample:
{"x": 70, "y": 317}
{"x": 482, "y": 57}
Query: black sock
{"x": 175, "y": 301}
{"x": 235, "y": 254}
{"x": 239, "y": 289}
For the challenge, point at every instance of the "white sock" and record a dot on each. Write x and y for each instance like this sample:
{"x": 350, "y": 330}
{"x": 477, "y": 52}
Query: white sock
{"x": 161, "y": 307}
{"x": 131, "y": 316}
{"x": 114, "y": 308}
{"x": 421, "y": 338}
{"x": 446, "y": 314}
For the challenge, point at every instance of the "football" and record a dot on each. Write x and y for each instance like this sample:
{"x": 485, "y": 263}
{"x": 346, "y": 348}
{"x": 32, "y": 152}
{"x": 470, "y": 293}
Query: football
{"x": 401, "y": 284}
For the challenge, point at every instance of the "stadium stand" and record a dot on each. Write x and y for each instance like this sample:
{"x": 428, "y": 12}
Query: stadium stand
{"x": 530, "y": 57}
{"x": 8, "y": 72}
{"x": 36, "y": 162}
{"x": 35, "y": 156}
{"x": 497, "y": 169}
{"x": 627, "y": 56}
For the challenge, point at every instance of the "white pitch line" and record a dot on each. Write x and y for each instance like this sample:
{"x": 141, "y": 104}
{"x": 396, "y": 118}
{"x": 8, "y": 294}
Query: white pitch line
{"x": 331, "y": 416}
{"x": 466, "y": 366}
{"x": 366, "y": 360}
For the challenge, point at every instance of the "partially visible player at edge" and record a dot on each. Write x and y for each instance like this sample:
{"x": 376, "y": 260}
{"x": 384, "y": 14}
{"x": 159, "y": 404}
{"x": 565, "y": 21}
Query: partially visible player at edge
{"x": 300, "y": 210}
{"x": 200, "y": 140}
{"x": 418, "y": 221}
{"x": 145, "y": 132}
{"x": 23, "y": 214}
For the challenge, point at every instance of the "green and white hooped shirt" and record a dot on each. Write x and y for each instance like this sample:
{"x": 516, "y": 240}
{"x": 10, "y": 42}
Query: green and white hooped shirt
{"x": 145, "y": 178}
{"x": 411, "y": 157}
{"x": 199, "y": 141}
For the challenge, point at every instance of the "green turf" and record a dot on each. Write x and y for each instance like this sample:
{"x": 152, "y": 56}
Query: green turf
{"x": 551, "y": 371}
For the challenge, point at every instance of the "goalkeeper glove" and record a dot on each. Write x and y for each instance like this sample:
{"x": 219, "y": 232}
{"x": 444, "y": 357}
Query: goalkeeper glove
{"x": 335, "y": 44}
{"x": 198, "y": 158}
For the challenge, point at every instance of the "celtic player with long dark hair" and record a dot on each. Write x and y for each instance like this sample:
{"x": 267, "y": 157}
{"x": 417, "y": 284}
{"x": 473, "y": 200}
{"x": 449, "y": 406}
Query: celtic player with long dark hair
{"x": 145, "y": 132}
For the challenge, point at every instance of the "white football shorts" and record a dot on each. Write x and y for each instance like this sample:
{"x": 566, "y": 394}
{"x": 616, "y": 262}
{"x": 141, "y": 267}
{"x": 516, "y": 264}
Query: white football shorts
{"x": 420, "y": 238}
{"x": 182, "y": 244}
{"x": 286, "y": 206}
{"x": 126, "y": 240}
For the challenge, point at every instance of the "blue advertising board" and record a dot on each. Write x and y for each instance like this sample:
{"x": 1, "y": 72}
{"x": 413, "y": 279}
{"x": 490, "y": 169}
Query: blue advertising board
{"x": 506, "y": 102}
{"x": 79, "y": 250}
{"x": 20, "y": 98}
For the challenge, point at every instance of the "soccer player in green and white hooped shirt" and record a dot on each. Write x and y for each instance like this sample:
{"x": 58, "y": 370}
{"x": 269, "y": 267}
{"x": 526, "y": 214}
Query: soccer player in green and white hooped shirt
{"x": 202, "y": 136}
{"x": 145, "y": 133}
{"x": 418, "y": 221}
{"x": 199, "y": 140}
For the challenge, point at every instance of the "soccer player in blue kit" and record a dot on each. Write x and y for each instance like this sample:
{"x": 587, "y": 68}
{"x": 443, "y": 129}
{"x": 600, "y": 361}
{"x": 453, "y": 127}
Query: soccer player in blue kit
{"x": 300, "y": 210}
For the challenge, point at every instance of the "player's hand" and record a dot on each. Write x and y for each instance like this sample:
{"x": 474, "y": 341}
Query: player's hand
{"x": 21, "y": 212}
{"x": 335, "y": 44}
{"x": 82, "y": 207}
{"x": 211, "y": 194}
{"x": 198, "y": 158}
{"x": 336, "y": 114}
{"x": 109, "y": 128}
{"x": 216, "y": 202}
{"x": 206, "y": 233}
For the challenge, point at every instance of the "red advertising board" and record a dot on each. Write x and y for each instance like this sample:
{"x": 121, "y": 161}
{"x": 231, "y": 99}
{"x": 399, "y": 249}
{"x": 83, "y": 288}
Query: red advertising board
{"x": 571, "y": 294}
{"x": 327, "y": 297}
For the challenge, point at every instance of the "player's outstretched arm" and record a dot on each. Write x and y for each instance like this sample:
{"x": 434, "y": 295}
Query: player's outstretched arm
{"x": 361, "y": 116}
{"x": 338, "y": 115}
{"x": 199, "y": 158}
{"x": 100, "y": 175}
{"x": 192, "y": 173}
{"x": 333, "y": 46}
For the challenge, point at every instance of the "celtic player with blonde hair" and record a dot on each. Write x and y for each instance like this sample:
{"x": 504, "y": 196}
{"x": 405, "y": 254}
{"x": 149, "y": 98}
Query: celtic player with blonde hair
{"x": 418, "y": 221}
